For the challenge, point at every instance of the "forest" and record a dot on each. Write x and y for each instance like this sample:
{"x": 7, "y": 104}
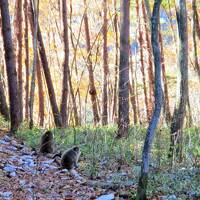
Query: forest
{"x": 99, "y": 99}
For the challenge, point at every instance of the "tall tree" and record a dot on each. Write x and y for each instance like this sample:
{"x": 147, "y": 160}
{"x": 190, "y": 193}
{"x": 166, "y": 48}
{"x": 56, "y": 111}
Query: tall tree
{"x": 35, "y": 6}
{"x": 10, "y": 66}
{"x": 182, "y": 76}
{"x": 123, "y": 98}
{"x": 18, "y": 33}
{"x": 114, "y": 114}
{"x": 92, "y": 90}
{"x": 43, "y": 57}
{"x": 26, "y": 42}
{"x": 105, "y": 67}
{"x": 63, "y": 108}
{"x": 143, "y": 180}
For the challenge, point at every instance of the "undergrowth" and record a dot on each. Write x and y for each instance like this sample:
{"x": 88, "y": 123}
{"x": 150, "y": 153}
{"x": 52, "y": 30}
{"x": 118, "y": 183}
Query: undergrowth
{"x": 100, "y": 150}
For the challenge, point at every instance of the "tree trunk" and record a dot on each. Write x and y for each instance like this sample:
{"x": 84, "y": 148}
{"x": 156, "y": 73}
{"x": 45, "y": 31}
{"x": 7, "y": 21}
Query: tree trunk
{"x": 43, "y": 57}
{"x": 63, "y": 107}
{"x": 105, "y": 67}
{"x": 132, "y": 92}
{"x": 18, "y": 34}
{"x": 141, "y": 42}
{"x": 26, "y": 42}
{"x": 166, "y": 96}
{"x": 194, "y": 28}
{"x": 35, "y": 60}
{"x": 40, "y": 92}
{"x": 114, "y": 114}
{"x": 3, "y": 104}
{"x": 182, "y": 79}
{"x": 92, "y": 89}
{"x": 123, "y": 98}
{"x": 10, "y": 66}
{"x": 143, "y": 180}
{"x": 150, "y": 63}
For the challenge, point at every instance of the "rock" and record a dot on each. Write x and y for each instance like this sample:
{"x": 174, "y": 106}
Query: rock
{"x": 9, "y": 168}
{"x": 106, "y": 197}
{"x": 171, "y": 197}
{"x": 6, "y": 195}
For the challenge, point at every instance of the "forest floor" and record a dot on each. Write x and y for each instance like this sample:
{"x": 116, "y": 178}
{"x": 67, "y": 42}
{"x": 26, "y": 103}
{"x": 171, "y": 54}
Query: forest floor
{"x": 26, "y": 175}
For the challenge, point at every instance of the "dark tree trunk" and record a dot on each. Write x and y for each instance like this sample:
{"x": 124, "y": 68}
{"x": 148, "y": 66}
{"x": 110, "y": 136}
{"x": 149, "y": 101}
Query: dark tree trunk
{"x": 43, "y": 57}
{"x": 40, "y": 92}
{"x": 143, "y": 180}
{"x": 123, "y": 98}
{"x": 92, "y": 90}
{"x": 3, "y": 104}
{"x": 182, "y": 79}
{"x": 18, "y": 34}
{"x": 63, "y": 108}
{"x": 105, "y": 67}
{"x": 10, "y": 66}
{"x": 26, "y": 42}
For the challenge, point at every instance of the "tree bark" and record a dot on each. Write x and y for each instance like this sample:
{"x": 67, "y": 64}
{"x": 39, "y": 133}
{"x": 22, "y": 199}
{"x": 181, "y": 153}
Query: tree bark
{"x": 123, "y": 98}
{"x": 105, "y": 67}
{"x": 40, "y": 92}
{"x": 114, "y": 113}
{"x": 26, "y": 42}
{"x": 3, "y": 104}
{"x": 63, "y": 107}
{"x": 10, "y": 66}
{"x": 92, "y": 90}
{"x": 18, "y": 33}
{"x": 182, "y": 79}
{"x": 143, "y": 180}
{"x": 35, "y": 7}
{"x": 194, "y": 29}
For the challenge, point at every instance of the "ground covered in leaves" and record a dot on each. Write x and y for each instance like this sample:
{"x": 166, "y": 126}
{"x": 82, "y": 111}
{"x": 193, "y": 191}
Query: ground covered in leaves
{"x": 24, "y": 174}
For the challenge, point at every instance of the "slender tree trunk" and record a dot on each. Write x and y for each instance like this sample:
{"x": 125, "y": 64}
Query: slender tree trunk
{"x": 150, "y": 63}
{"x": 26, "y": 42}
{"x": 43, "y": 57}
{"x": 18, "y": 33}
{"x": 182, "y": 79}
{"x": 141, "y": 42}
{"x": 63, "y": 108}
{"x": 123, "y": 98}
{"x": 114, "y": 113}
{"x": 166, "y": 96}
{"x": 92, "y": 89}
{"x": 35, "y": 7}
{"x": 194, "y": 28}
{"x": 132, "y": 91}
{"x": 3, "y": 104}
{"x": 143, "y": 180}
{"x": 10, "y": 66}
{"x": 105, "y": 67}
{"x": 40, "y": 92}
